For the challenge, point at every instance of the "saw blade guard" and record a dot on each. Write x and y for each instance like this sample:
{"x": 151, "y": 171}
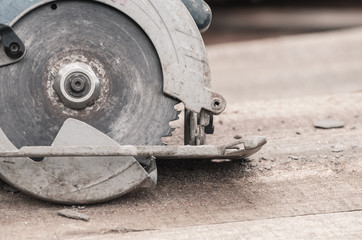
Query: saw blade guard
{"x": 75, "y": 180}
{"x": 176, "y": 37}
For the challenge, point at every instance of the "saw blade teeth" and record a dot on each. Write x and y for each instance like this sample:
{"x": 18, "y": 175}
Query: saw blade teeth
{"x": 178, "y": 115}
{"x": 170, "y": 133}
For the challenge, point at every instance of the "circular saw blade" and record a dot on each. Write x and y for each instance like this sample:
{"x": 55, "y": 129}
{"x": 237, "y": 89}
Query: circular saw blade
{"x": 131, "y": 108}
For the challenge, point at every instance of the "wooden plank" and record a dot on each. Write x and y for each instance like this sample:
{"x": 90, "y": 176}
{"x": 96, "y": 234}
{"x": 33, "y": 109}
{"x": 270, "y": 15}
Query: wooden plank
{"x": 345, "y": 225}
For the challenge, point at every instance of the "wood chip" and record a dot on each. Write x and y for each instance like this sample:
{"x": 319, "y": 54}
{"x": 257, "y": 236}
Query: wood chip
{"x": 328, "y": 124}
{"x": 8, "y": 188}
{"x": 238, "y": 137}
{"x": 73, "y": 215}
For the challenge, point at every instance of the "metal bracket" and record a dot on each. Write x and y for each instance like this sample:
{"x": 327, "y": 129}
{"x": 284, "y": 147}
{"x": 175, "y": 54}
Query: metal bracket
{"x": 12, "y": 49}
{"x": 196, "y": 126}
{"x": 236, "y": 150}
{"x": 210, "y": 129}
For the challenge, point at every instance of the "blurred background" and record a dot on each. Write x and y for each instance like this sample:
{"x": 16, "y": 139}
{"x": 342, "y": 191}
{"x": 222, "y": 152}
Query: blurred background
{"x": 273, "y": 49}
{"x": 243, "y": 20}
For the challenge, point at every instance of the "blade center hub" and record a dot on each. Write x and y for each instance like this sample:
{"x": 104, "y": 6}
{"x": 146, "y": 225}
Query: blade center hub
{"x": 77, "y": 86}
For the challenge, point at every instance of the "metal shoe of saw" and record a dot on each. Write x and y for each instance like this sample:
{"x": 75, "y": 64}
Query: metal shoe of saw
{"x": 87, "y": 91}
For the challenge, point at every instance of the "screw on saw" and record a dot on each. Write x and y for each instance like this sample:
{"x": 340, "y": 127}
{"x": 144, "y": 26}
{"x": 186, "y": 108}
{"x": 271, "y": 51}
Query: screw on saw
{"x": 53, "y": 6}
{"x": 216, "y": 104}
{"x": 77, "y": 84}
{"x": 14, "y": 48}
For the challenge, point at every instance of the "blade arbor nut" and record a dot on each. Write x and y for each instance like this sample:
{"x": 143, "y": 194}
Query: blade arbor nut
{"x": 77, "y": 85}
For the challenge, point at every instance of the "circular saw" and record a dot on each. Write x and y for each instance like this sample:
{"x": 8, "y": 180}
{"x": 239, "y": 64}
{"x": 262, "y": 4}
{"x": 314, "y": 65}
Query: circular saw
{"x": 88, "y": 88}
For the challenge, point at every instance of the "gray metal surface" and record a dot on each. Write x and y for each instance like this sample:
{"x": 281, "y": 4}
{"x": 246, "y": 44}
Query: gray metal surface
{"x": 177, "y": 40}
{"x": 80, "y": 180}
{"x": 199, "y": 10}
{"x": 235, "y": 150}
{"x": 131, "y": 109}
